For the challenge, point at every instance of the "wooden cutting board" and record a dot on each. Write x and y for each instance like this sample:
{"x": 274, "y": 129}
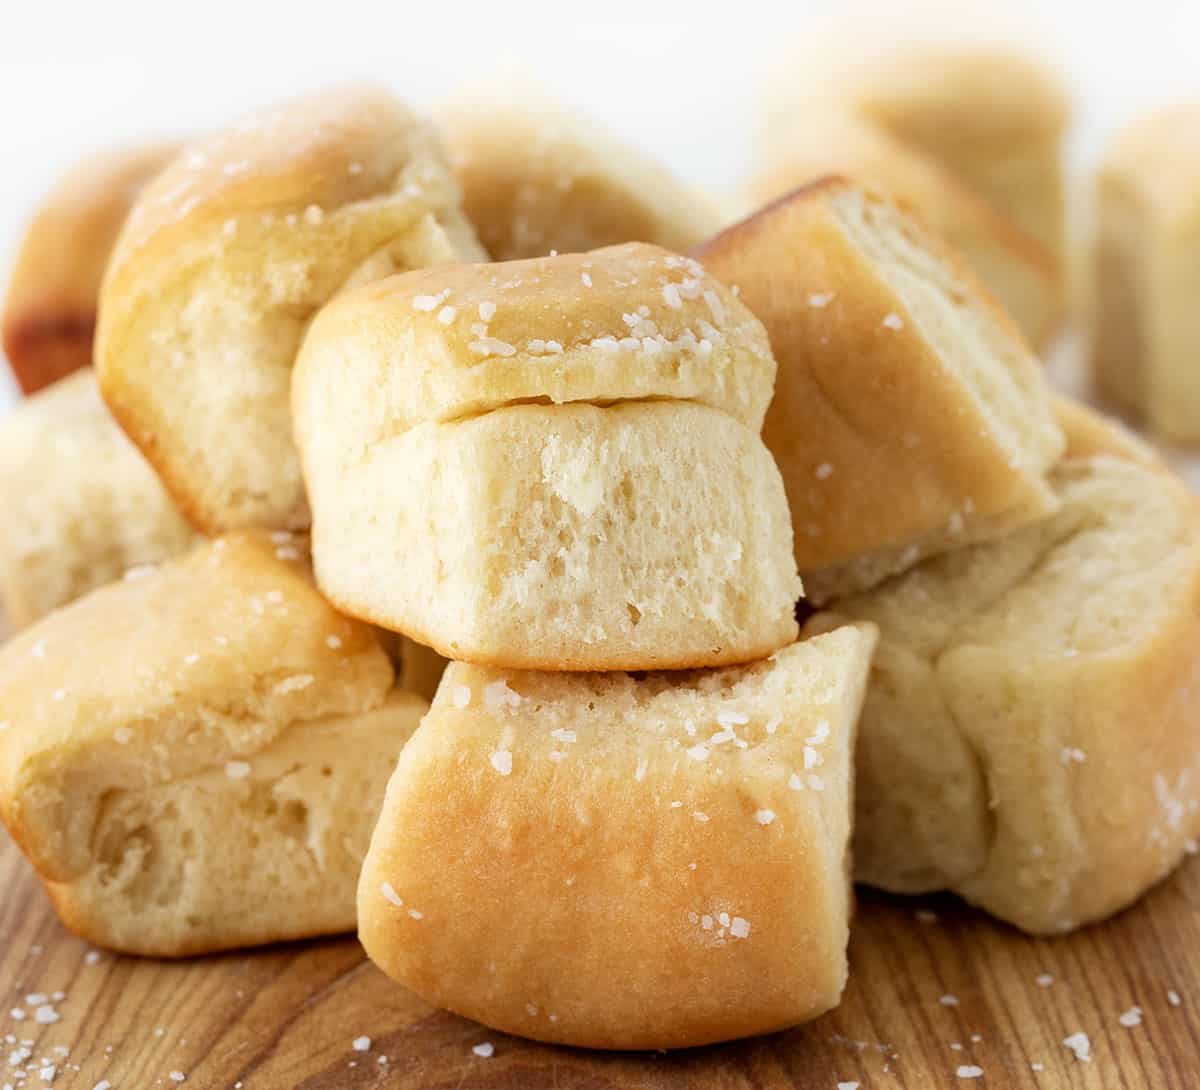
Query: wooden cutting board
{"x": 287, "y": 1016}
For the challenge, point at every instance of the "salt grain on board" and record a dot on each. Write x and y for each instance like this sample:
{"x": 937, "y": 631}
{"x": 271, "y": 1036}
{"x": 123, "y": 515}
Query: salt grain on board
{"x": 1080, "y": 1044}
{"x": 484, "y": 1050}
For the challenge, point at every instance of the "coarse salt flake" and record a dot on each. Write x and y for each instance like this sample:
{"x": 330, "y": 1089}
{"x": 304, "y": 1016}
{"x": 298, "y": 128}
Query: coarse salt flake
{"x": 949, "y": 1000}
{"x": 969, "y": 1071}
{"x": 700, "y": 815}
{"x": 671, "y": 297}
{"x": 820, "y": 299}
{"x": 429, "y": 303}
{"x": 177, "y": 1076}
{"x": 447, "y": 315}
{"x": 1044, "y": 980}
{"x": 294, "y": 684}
{"x": 333, "y": 642}
{"x": 764, "y": 817}
{"x": 1081, "y": 1045}
{"x": 123, "y": 735}
{"x": 490, "y": 346}
{"x": 561, "y": 735}
{"x": 739, "y": 928}
{"x": 462, "y": 696}
{"x": 1131, "y": 1017}
{"x": 824, "y": 471}
{"x": 587, "y": 280}
{"x": 485, "y": 1050}
{"x": 501, "y": 761}
{"x": 893, "y": 321}
{"x": 361, "y": 1044}
{"x": 390, "y": 895}
{"x": 237, "y": 770}
{"x": 487, "y": 311}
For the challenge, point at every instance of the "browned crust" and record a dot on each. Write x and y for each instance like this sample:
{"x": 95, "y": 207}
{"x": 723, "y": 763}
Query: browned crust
{"x": 831, "y": 183}
{"x": 41, "y": 349}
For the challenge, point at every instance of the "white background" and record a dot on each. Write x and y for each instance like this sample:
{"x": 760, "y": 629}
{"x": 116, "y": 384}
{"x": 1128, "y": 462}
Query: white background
{"x": 681, "y": 80}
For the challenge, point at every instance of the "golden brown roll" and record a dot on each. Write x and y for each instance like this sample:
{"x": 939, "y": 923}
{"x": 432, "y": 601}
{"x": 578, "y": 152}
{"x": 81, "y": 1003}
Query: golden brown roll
{"x": 223, "y": 261}
{"x": 50, "y": 307}
{"x": 1031, "y": 733}
{"x": 909, "y": 417}
{"x": 992, "y": 114}
{"x": 550, "y": 464}
{"x": 537, "y": 178}
{"x": 193, "y": 758}
{"x": 1145, "y": 336}
{"x": 621, "y": 862}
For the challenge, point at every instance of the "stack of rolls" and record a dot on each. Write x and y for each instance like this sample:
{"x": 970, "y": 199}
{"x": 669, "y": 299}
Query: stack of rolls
{"x": 1031, "y": 732}
{"x": 457, "y": 600}
{"x": 551, "y": 470}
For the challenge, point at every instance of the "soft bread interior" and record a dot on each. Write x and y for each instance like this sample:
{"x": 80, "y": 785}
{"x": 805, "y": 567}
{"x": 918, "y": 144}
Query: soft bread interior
{"x": 97, "y": 700}
{"x": 264, "y": 848}
{"x": 531, "y": 515}
{"x": 981, "y": 348}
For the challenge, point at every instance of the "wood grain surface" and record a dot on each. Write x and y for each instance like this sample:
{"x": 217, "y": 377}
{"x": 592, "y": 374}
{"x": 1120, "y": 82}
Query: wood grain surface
{"x": 286, "y": 1017}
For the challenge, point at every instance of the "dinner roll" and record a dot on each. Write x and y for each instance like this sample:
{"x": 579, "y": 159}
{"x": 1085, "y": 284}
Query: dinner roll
{"x": 1017, "y": 269}
{"x": 624, "y": 862}
{"x": 50, "y": 305}
{"x": 991, "y": 113}
{"x": 223, "y": 261}
{"x": 549, "y": 464}
{"x": 909, "y": 416}
{"x": 193, "y": 758}
{"x": 538, "y": 178}
{"x": 1031, "y": 733}
{"x": 80, "y": 503}
{"x": 1145, "y": 336}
